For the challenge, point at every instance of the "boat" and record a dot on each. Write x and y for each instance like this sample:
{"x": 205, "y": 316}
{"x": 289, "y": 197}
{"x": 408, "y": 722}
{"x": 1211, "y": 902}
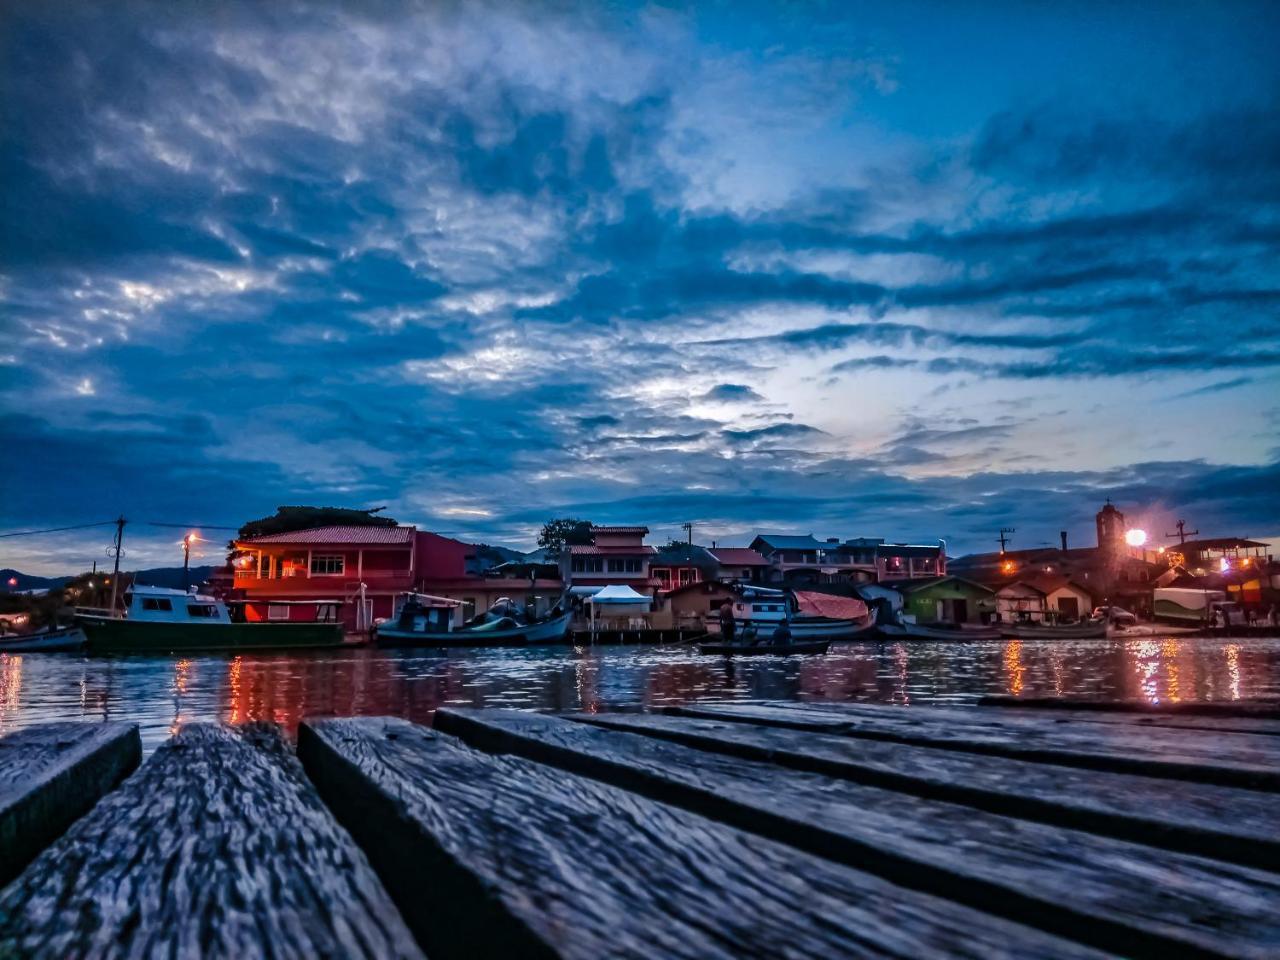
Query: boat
{"x": 158, "y": 619}
{"x": 1030, "y": 630}
{"x": 936, "y": 631}
{"x": 427, "y": 621}
{"x": 52, "y": 640}
{"x": 764, "y": 649}
{"x": 758, "y": 611}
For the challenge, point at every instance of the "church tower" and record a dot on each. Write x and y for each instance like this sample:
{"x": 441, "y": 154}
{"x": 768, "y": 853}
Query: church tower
{"x": 1111, "y": 528}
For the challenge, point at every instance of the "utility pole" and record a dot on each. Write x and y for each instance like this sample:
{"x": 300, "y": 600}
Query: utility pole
{"x": 1182, "y": 533}
{"x": 115, "y": 574}
{"x": 688, "y": 528}
{"x": 1004, "y": 541}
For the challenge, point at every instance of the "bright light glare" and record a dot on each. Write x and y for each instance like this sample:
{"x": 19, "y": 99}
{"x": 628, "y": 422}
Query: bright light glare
{"x": 1135, "y": 538}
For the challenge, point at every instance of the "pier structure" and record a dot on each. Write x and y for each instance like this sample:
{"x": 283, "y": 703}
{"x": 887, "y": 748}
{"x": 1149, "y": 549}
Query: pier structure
{"x": 706, "y": 830}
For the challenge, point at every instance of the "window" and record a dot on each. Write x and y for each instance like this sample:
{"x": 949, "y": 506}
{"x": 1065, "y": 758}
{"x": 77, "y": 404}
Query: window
{"x": 156, "y": 603}
{"x": 663, "y": 575}
{"x": 615, "y": 566}
{"x": 323, "y": 566}
{"x": 277, "y": 611}
{"x": 327, "y": 613}
{"x": 264, "y": 566}
{"x": 588, "y": 565}
{"x": 205, "y": 610}
{"x": 686, "y": 576}
{"x": 633, "y": 566}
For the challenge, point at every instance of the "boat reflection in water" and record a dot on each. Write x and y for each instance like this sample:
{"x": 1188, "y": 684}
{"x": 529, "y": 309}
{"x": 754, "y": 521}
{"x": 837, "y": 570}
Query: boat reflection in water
{"x": 160, "y": 692}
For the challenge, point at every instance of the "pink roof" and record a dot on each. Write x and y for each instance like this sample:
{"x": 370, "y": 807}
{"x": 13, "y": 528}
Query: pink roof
{"x": 739, "y": 557}
{"x": 616, "y": 550}
{"x": 348, "y": 534}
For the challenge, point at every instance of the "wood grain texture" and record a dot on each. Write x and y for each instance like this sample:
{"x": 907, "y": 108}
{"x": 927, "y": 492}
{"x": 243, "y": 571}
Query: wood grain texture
{"x": 1242, "y": 826}
{"x": 1051, "y": 710}
{"x": 50, "y": 775}
{"x": 1075, "y": 884}
{"x": 1259, "y": 709}
{"x": 1241, "y": 760}
{"x": 217, "y": 847}
{"x": 498, "y": 856}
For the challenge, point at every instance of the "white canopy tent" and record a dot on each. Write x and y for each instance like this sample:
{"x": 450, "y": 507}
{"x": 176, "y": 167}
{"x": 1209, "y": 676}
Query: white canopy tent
{"x": 619, "y": 596}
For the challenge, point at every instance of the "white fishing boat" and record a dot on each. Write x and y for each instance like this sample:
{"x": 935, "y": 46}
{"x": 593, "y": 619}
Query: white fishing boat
{"x": 1033, "y": 630}
{"x": 759, "y": 611}
{"x": 53, "y": 640}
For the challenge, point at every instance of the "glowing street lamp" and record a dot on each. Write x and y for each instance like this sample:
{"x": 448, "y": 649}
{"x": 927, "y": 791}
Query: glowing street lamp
{"x": 1135, "y": 538}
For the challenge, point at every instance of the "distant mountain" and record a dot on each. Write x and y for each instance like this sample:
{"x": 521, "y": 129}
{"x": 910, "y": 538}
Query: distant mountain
{"x": 156, "y": 577}
{"x": 27, "y": 581}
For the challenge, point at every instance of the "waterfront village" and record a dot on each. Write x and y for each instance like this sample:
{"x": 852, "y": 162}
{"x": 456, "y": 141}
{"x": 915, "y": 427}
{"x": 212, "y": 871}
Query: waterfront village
{"x": 359, "y": 574}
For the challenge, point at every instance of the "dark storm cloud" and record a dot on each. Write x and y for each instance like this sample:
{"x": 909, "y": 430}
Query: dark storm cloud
{"x": 429, "y": 255}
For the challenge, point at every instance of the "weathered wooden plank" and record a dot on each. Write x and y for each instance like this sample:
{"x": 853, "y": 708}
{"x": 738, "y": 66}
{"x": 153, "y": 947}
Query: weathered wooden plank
{"x": 217, "y": 847}
{"x": 1258, "y": 719}
{"x": 1241, "y": 760}
{"x": 1242, "y": 826}
{"x": 500, "y": 857}
{"x": 1075, "y": 884}
{"x": 50, "y": 775}
{"x": 1259, "y": 709}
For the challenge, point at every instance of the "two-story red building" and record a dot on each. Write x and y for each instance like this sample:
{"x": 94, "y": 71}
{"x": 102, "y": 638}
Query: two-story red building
{"x": 358, "y": 574}
{"x": 616, "y": 555}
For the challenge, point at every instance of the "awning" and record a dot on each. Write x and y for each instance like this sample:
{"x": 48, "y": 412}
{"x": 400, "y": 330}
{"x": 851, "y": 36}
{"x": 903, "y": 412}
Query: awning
{"x": 813, "y": 604}
{"x": 619, "y": 594}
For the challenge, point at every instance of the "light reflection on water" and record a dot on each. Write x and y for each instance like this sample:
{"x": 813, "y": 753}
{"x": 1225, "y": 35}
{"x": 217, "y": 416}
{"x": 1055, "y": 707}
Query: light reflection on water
{"x": 159, "y": 693}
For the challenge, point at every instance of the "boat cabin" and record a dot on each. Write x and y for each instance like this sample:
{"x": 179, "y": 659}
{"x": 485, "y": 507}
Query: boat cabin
{"x": 165, "y": 605}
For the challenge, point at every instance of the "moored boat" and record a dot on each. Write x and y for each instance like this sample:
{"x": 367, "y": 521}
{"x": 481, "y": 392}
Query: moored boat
{"x": 426, "y": 621}
{"x": 53, "y": 640}
{"x": 765, "y": 649}
{"x": 759, "y": 611}
{"x": 158, "y": 619}
{"x": 936, "y": 631}
{"x": 1084, "y": 630}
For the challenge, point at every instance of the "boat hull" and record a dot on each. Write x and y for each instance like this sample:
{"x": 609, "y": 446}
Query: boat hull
{"x": 65, "y": 640}
{"x": 918, "y": 631}
{"x": 547, "y": 632}
{"x": 764, "y": 649}
{"x": 803, "y": 629}
{"x": 1080, "y": 631}
{"x": 115, "y": 635}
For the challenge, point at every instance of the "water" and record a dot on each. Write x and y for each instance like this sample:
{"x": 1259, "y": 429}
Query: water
{"x": 159, "y": 693}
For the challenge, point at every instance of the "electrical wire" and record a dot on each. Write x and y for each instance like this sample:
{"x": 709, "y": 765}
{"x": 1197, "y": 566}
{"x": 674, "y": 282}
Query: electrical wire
{"x": 80, "y": 526}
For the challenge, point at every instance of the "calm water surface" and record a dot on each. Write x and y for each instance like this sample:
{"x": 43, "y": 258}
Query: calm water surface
{"x": 158, "y": 693}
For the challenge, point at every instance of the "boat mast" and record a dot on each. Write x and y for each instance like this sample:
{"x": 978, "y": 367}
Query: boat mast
{"x": 115, "y": 573}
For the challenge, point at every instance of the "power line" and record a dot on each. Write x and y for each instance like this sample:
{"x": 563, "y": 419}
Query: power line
{"x": 80, "y": 526}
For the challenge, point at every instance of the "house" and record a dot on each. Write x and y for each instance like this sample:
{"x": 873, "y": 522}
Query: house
{"x": 859, "y": 560}
{"x": 616, "y": 555}
{"x": 364, "y": 572}
{"x": 1043, "y": 598}
{"x": 301, "y": 574}
{"x": 739, "y": 564}
{"x": 1219, "y": 554}
{"x": 679, "y": 564}
{"x": 948, "y": 599}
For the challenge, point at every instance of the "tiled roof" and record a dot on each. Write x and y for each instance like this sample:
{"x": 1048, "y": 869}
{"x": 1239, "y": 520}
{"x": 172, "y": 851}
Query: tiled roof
{"x": 1219, "y": 543}
{"x": 345, "y": 534}
{"x": 638, "y": 529}
{"x": 785, "y": 542}
{"x": 581, "y": 549}
{"x": 739, "y": 557}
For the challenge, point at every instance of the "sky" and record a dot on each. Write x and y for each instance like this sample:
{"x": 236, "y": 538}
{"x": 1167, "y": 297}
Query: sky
{"x": 909, "y": 270}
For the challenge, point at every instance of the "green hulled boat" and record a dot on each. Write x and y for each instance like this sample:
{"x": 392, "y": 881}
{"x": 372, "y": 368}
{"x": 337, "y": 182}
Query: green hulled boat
{"x": 158, "y": 620}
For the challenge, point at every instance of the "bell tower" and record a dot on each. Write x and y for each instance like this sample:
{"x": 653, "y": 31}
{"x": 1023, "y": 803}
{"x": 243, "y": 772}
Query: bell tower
{"x": 1111, "y": 528}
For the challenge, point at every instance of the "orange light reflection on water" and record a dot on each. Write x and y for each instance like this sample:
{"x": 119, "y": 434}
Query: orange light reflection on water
{"x": 10, "y": 686}
{"x": 1015, "y": 672}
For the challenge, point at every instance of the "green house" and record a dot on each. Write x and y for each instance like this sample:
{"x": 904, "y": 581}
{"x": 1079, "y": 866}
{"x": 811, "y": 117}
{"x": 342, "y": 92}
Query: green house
{"x": 945, "y": 599}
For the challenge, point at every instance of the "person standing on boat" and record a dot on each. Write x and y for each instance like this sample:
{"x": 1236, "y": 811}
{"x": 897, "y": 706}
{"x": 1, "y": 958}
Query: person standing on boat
{"x": 728, "y": 627}
{"x": 782, "y": 633}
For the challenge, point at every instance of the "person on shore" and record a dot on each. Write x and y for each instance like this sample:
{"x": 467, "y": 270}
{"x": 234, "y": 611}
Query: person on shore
{"x": 728, "y": 626}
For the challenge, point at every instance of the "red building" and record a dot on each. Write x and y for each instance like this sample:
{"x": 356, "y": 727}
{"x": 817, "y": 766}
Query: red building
{"x": 615, "y": 555}
{"x": 303, "y": 574}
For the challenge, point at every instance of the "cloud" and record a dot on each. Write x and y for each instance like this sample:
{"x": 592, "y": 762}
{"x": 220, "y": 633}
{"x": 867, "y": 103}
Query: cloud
{"x": 731, "y": 393}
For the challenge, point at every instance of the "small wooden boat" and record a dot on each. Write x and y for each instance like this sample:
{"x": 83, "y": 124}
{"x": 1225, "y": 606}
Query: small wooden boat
{"x": 810, "y": 615}
{"x": 158, "y": 620}
{"x": 936, "y": 631}
{"x": 53, "y": 640}
{"x": 426, "y": 621}
{"x": 1087, "y": 630}
{"x": 765, "y": 649}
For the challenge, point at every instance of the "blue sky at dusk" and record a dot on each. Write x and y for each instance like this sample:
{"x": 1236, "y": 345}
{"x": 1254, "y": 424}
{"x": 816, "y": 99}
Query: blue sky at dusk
{"x": 911, "y": 270}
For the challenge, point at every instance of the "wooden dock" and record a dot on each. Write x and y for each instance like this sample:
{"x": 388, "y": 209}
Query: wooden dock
{"x": 769, "y": 830}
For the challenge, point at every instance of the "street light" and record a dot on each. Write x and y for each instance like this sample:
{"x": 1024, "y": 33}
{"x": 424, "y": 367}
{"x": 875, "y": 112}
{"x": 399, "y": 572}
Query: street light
{"x": 1135, "y": 538}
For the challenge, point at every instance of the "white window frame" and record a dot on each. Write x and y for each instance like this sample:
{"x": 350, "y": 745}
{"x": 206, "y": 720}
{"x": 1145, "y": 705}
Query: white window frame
{"x": 274, "y": 611}
{"x": 317, "y": 558}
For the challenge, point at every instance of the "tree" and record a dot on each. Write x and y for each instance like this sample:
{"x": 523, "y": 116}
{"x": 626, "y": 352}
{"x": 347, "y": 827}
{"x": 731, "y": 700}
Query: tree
{"x": 557, "y": 534}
